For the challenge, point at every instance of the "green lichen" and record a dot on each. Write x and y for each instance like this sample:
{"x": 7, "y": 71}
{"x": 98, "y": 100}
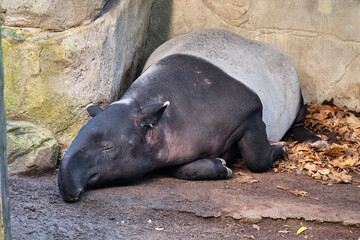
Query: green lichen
{"x": 11, "y": 33}
{"x": 33, "y": 84}
{"x": 13, "y": 87}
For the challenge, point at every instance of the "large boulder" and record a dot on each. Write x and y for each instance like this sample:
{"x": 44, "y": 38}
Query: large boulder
{"x": 31, "y": 149}
{"x": 50, "y": 76}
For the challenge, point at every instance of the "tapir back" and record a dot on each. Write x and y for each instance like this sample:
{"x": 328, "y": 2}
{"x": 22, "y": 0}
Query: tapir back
{"x": 263, "y": 68}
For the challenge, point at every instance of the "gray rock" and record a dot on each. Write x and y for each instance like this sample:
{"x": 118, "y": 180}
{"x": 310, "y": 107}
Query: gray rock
{"x": 51, "y": 76}
{"x": 51, "y": 15}
{"x": 31, "y": 149}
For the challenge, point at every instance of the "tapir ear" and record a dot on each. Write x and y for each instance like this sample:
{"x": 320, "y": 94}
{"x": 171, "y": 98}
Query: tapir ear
{"x": 152, "y": 114}
{"x": 93, "y": 110}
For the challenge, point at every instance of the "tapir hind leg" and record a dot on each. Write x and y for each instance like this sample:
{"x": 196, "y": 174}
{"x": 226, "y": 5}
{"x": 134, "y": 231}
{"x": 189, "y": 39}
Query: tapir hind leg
{"x": 255, "y": 149}
{"x": 202, "y": 169}
{"x": 299, "y": 133}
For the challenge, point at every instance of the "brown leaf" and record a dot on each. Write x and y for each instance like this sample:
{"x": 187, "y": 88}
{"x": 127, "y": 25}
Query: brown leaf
{"x": 281, "y": 187}
{"x": 256, "y": 227}
{"x": 295, "y": 192}
{"x": 336, "y": 151}
{"x": 353, "y": 121}
{"x": 300, "y": 147}
{"x": 349, "y": 162}
{"x": 325, "y": 107}
{"x": 317, "y": 176}
{"x": 342, "y": 177}
{"x": 340, "y": 114}
{"x": 357, "y": 131}
{"x": 324, "y": 171}
{"x": 336, "y": 163}
{"x": 320, "y": 116}
{"x": 310, "y": 167}
{"x": 299, "y": 193}
{"x": 335, "y": 125}
{"x": 245, "y": 178}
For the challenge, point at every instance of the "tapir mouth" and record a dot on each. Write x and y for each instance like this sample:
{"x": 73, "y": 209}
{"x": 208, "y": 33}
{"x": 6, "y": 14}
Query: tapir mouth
{"x": 75, "y": 195}
{"x": 73, "y": 198}
{"x": 69, "y": 196}
{"x": 93, "y": 179}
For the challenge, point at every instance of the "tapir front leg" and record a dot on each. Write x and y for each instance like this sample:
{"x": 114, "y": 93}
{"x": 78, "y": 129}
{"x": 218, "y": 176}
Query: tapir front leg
{"x": 202, "y": 169}
{"x": 255, "y": 148}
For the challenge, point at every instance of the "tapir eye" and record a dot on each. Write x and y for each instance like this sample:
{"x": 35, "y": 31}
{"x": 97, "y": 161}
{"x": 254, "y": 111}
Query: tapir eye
{"x": 107, "y": 147}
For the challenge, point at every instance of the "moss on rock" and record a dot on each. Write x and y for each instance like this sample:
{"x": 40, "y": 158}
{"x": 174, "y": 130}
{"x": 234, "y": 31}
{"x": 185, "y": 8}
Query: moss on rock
{"x": 31, "y": 149}
{"x": 35, "y": 71}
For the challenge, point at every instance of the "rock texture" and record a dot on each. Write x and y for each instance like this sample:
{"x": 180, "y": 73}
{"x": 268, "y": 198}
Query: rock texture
{"x": 31, "y": 149}
{"x": 51, "y": 15}
{"x": 51, "y": 76}
{"x": 320, "y": 36}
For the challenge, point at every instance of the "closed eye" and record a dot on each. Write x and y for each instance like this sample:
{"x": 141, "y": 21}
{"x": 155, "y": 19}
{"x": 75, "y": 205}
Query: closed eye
{"x": 107, "y": 149}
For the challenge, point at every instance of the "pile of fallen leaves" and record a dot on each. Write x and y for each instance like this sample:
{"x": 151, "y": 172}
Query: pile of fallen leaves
{"x": 340, "y": 160}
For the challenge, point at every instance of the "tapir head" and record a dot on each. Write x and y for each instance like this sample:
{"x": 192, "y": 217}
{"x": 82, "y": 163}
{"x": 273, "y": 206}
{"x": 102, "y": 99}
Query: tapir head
{"x": 110, "y": 148}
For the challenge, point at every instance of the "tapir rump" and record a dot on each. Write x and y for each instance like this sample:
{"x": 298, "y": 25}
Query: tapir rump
{"x": 202, "y": 100}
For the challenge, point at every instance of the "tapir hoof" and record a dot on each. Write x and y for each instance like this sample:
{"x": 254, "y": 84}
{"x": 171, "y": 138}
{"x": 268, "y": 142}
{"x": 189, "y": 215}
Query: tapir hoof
{"x": 229, "y": 171}
{"x": 320, "y": 144}
{"x": 281, "y": 144}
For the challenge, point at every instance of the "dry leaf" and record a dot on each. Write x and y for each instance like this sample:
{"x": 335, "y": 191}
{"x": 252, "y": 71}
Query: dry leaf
{"x": 301, "y": 230}
{"x": 281, "y": 187}
{"x": 336, "y": 151}
{"x": 245, "y": 178}
{"x": 353, "y": 121}
{"x": 320, "y": 116}
{"x": 317, "y": 176}
{"x": 349, "y": 162}
{"x": 299, "y": 193}
{"x": 339, "y": 127}
{"x": 324, "y": 171}
{"x": 325, "y": 108}
{"x": 310, "y": 167}
{"x": 295, "y": 192}
{"x": 342, "y": 177}
{"x": 256, "y": 227}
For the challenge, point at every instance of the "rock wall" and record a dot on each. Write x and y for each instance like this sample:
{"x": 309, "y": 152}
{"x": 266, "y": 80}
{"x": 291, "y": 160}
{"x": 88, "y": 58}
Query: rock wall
{"x": 61, "y": 55}
{"x": 321, "y": 37}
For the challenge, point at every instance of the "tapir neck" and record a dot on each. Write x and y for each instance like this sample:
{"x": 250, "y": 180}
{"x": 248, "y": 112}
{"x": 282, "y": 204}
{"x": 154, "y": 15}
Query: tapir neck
{"x": 158, "y": 148}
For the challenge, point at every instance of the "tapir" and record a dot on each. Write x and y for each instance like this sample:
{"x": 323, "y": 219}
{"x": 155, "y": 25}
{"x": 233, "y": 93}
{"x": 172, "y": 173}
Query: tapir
{"x": 202, "y": 100}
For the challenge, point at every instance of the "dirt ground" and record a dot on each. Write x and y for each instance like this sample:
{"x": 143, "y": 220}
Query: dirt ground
{"x": 160, "y": 207}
